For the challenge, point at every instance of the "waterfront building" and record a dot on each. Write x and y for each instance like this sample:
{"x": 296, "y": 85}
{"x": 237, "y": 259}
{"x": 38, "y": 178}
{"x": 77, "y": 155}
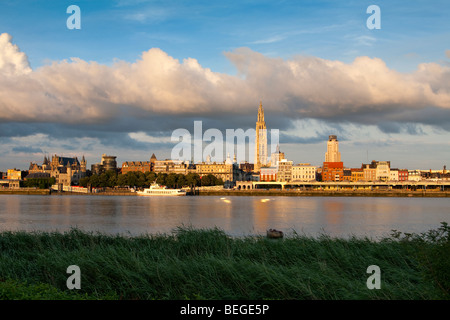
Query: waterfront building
{"x": 66, "y": 170}
{"x": 332, "y": 154}
{"x": 268, "y": 174}
{"x": 377, "y": 171}
{"x": 14, "y": 174}
{"x": 357, "y": 175}
{"x": 433, "y": 174}
{"x": 11, "y": 179}
{"x": 402, "y": 175}
{"x": 227, "y": 171}
{"x": 347, "y": 176}
{"x": 139, "y": 166}
{"x": 370, "y": 172}
{"x": 303, "y": 172}
{"x": 284, "y": 173}
{"x": 170, "y": 166}
{"x": 261, "y": 154}
{"x": 445, "y": 176}
{"x": 45, "y": 167}
{"x": 332, "y": 171}
{"x": 414, "y": 175}
{"x": 136, "y": 166}
{"x": 382, "y": 170}
{"x": 393, "y": 175}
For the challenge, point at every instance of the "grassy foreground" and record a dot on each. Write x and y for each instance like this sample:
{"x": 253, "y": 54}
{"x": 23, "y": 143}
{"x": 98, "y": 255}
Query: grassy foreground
{"x": 208, "y": 264}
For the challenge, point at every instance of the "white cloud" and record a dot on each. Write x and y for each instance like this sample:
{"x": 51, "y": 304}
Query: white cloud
{"x": 12, "y": 61}
{"x": 78, "y": 91}
{"x": 34, "y": 139}
{"x": 143, "y": 137}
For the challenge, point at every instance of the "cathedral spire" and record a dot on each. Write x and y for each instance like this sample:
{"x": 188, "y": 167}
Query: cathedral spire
{"x": 261, "y": 140}
{"x": 260, "y": 112}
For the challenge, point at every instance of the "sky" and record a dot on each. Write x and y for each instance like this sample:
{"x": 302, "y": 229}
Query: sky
{"x": 138, "y": 70}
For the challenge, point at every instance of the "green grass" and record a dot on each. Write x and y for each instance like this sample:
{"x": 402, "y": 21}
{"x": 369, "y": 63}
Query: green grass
{"x": 209, "y": 264}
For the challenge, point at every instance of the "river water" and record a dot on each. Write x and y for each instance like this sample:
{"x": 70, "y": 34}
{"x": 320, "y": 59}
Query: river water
{"x": 373, "y": 217}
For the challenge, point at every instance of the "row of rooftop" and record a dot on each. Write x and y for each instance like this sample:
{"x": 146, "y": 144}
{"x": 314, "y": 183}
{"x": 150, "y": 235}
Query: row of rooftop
{"x": 69, "y": 170}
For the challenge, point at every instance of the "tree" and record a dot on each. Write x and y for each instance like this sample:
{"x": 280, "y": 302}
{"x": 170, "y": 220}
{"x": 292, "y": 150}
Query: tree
{"x": 142, "y": 181}
{"x": 181, "y": 180}
{"x": 207, "y": 180}
{"x": 161, "y": 178}
{"x": 112, "y": 181}
{"x": 41, "y": 183}
{"x": 95, "y": 181}
{"x": 176, "y": 180}
{"x": 84, "y": 182}
{"x": 193, "y": 180}
{"x": 122, "y": 180}
{"x": 132, "y": 179}
{"x": 103, "y": 180}
{"x": 150, "y": 177}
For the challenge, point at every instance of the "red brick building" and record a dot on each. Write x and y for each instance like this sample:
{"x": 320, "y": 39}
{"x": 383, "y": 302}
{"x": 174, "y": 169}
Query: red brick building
{"x": 142, "y": 166}
{"x": 403, "y": 175}
{"x": 333, "y": 171}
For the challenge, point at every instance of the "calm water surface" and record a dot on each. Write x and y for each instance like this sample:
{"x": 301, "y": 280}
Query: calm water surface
{"x": 238, "y": 216}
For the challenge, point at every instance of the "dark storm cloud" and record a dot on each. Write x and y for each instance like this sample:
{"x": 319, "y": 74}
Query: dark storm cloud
{"x": 27, "y": 149}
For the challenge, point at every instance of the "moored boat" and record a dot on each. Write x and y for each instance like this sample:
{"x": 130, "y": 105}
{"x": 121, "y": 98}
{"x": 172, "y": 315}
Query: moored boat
{"x": 158, "y": 190}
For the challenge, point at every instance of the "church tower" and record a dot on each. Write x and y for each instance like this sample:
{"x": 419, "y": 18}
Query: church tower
{"x": 83, "y": 165}
{"x": 261, "y": 140}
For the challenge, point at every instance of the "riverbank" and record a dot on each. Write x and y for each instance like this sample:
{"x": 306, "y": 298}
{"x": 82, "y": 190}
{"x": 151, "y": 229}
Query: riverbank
{"x": 27, "y": 191}
{"x": 230, "y": 192}
{"x": 208, "y": 264}
{"x": 325, "y": 193}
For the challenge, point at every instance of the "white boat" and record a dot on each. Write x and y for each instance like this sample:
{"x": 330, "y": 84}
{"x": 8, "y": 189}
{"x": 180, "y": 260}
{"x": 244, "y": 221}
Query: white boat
{"x": 157, "y": 190}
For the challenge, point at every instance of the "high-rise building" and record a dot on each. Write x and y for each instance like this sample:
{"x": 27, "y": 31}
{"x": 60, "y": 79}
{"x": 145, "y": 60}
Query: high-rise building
{"x": 261, "y": 140}
{"x": 333, "y": 154}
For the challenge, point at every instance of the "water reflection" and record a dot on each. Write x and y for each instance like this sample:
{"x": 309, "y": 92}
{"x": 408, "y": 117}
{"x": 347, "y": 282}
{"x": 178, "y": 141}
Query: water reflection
{"x": 371, "y": 217}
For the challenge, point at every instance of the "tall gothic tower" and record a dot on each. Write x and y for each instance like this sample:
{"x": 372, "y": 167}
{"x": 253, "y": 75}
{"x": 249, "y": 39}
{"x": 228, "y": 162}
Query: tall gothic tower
{"x": 261, "y": 140}
{"x": 83, "y": 164}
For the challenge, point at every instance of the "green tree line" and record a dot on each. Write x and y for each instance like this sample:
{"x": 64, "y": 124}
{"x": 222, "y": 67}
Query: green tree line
{"x": 111, "y": 179}
{"x": 41, "y": 183}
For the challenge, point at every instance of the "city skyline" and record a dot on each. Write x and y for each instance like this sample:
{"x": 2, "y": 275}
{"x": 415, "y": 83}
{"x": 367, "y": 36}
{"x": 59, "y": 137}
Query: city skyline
{"x": 138, "y": 70}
